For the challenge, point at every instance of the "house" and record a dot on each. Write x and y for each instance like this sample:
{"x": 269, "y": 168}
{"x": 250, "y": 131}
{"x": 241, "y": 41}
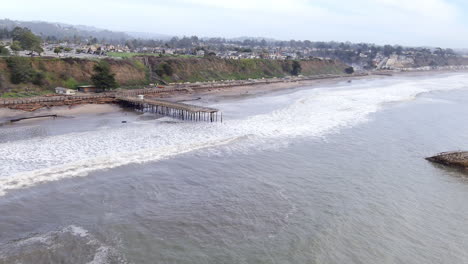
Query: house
{"x": 62, "y": 90}
{"x": 90, "y": 89}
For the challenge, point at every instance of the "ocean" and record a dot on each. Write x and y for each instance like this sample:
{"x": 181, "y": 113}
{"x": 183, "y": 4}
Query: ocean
{"x": 324, "y": 174}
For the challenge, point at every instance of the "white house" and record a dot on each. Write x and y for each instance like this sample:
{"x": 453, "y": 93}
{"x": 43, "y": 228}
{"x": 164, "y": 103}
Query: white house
{"x": 62, "y": 90}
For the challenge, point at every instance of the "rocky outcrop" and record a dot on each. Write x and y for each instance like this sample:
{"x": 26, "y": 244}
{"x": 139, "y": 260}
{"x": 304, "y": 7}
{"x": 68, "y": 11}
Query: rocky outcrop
{"x": 454, "y": 159}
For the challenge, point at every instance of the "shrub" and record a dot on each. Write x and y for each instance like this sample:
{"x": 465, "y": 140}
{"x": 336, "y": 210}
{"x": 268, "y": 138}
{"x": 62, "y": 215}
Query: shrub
{"x": 139, "y": 65}
{"x": 70, "y": 83}
{"x": 102, "y": 77}
{"x": 296, "y": 68}
{"x": 4, "y": 51}
{"x": 38, "y": 78}
{"x": 168, "y": 69}
{"x": 286, "y": 66}
{"x": 164, "y": 69}
{"x": 21, "y": 70}
{"x": 2, "y": 81}
{"x": 349, "y": 70}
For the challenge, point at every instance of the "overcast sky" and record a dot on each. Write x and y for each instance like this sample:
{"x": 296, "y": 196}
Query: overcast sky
{"x": 408, "y": 22}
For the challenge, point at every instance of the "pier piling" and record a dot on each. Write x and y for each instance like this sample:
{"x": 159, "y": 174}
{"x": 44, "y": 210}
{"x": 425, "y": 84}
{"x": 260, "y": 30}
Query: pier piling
{"x": 177, "y": 110}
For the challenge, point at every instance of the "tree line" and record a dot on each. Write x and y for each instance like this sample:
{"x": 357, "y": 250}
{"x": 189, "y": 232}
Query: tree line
{"x": 23, "y": 39}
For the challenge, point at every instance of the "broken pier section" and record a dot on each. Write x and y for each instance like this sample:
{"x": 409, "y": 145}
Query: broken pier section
{"x": 177, "y": 110}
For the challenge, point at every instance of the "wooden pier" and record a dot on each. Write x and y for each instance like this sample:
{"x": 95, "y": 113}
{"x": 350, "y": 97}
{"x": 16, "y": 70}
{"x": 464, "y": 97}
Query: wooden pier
{"x": 177, "y": 110}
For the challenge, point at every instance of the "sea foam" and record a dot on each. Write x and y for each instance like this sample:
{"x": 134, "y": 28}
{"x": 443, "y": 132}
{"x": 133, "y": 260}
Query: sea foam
{"x": 303, "y": 113}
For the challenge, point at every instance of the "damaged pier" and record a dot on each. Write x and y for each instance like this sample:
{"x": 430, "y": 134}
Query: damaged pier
{"x": 176, "y": 110}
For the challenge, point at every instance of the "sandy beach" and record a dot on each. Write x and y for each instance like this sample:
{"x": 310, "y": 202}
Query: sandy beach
{"x": 209, "y": 94}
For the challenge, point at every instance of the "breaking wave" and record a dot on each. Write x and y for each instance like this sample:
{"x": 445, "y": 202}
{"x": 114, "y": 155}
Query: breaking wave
{"x": 311, "y": 113}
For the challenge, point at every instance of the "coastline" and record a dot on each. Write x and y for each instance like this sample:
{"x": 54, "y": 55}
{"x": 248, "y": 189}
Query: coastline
{"x": 216, "y": 93}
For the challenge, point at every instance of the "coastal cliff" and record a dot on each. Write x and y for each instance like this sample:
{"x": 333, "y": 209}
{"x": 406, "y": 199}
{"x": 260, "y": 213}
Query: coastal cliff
{"x": 41, "y": 75}
{"x": 214, "y": 69}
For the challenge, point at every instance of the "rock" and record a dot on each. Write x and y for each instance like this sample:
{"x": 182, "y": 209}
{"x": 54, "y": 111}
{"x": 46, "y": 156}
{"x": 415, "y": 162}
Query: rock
{"x": 453, "y": 158}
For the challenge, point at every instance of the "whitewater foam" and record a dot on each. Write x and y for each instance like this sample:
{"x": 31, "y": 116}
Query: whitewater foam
{"x": 59, "y": 246}
{"x": 312, "y": 113}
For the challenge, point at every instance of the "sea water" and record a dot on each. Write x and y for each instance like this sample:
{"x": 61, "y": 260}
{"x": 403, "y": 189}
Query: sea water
{"x": 332, "y": 174}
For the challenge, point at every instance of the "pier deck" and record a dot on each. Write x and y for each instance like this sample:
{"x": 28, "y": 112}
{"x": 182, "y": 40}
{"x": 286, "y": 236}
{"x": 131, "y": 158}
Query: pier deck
{"x": 178, "y": 110}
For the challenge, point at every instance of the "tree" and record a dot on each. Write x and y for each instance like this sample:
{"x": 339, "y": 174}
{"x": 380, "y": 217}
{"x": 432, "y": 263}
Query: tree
{"x": 210, "y": 54}
{"x": 16, "y": 46}
{"x": 388, "y": 50}
{"x": 27, "y": 40}
{"x": 57, "y": 50}
{"x": 399, "y": 50}
{"x": 349, "y": 70}
{"x": 296, "y": 68}
{"x": 38, "y": 50}
{"x": 102, "y": 77}
{"x": 164, "y": 69}
{"x": 21, "y": 70}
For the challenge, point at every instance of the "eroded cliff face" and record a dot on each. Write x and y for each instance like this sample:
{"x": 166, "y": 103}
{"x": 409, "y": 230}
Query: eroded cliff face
{"x": 207, "y": 69}
{"x": 70, "y": 72}
{"x": 401, "y": 62}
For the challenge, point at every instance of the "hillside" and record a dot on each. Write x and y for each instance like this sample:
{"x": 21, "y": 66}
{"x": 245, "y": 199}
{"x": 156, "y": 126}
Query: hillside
{"x": 63, "y": 72}
{"x": 65, "y": 31}
{"x": 47, "y": 74}
{"x": 207, "y": 69}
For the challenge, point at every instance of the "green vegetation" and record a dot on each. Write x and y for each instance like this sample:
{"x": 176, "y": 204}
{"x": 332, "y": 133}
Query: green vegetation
{"x": 103, "y": 78}
{"x": 70, "y": 83}
{"x": 296, "y": 68}
{"x": 26, "y": 40}
{"x": 16, "y": 46}
{"x": 164, "y": 70}
{"x": 208, "y": 69}
{"x": 4, "y": 51}
{"x": 22, "y": 93}
{"x": 57, "y": 50}
{"x": 349, "y": 70}
{"x": 21, "y": 70}
{"x": 21, "y": 74}
{"x": 38, "y": 78}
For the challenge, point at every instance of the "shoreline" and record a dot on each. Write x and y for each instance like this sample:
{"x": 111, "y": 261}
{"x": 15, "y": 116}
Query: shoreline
{"x": 216, "y": 93}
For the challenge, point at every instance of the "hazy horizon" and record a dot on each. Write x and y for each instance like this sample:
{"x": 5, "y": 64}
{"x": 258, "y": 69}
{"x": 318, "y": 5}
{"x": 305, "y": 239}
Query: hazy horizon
{"x": 409, "y": 23}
